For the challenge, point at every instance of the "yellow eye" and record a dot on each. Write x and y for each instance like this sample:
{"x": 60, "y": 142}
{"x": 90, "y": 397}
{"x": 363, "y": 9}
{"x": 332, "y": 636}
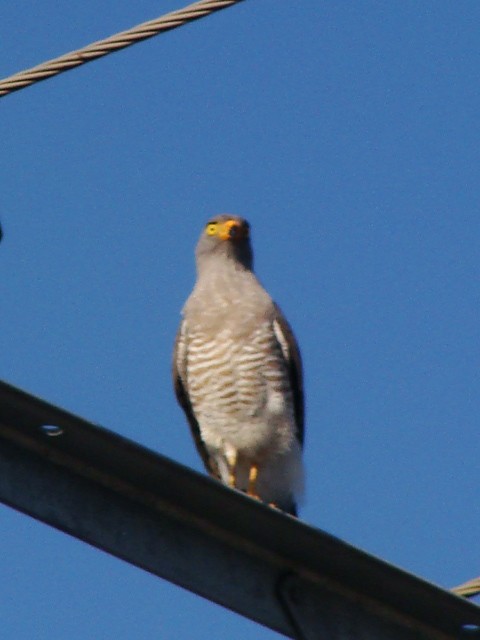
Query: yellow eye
{"x": 211, "y": 229}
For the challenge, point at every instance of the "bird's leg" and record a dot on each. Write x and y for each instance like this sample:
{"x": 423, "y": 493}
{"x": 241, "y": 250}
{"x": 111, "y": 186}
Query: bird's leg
{"x": 252, "y": 480}
{"x": 231, "y": 456}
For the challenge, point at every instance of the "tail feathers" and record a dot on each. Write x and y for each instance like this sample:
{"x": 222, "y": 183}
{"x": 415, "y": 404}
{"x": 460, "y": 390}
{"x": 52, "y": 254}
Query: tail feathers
{"x": 289, "y": 508}
{"x": 292, "y": 510}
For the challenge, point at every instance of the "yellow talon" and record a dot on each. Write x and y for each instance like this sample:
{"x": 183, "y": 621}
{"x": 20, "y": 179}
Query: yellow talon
{"x": 252, "y": 479}
{"x": 231, "y": 456}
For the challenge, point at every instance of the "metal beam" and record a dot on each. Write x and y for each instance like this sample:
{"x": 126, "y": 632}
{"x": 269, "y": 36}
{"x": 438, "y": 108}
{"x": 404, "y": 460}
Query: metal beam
{"x": 184, "y": 527}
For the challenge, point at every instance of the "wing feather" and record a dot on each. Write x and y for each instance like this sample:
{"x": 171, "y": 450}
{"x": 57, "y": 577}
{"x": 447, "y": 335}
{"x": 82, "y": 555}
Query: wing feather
{"x": 291, "y": 352}
{"x": 180, "y": 383}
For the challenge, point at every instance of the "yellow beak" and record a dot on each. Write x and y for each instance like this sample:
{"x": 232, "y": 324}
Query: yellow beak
{"x": 231, "y": 230}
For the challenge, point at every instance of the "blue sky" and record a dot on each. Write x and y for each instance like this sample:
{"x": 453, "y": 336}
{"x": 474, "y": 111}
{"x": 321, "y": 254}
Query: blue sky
{"x": 348, "y": 134}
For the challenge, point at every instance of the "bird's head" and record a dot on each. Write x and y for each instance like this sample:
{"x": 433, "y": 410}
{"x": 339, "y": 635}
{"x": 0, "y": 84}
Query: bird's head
{"x": 228, "y": 237}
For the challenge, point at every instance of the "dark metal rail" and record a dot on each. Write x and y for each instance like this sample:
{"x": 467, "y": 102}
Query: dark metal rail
{"x": 184, "y": 527}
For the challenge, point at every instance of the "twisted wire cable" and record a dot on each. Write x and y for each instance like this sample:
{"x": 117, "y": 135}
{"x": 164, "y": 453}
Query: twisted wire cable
{"x": 118, "y": 41}
{"x": 468, "y": 589}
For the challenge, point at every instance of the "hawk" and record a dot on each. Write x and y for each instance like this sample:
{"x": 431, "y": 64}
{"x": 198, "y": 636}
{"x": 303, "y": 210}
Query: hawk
{"x": 237, "y": 372}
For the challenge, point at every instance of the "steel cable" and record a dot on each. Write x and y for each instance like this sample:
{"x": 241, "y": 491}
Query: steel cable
{"x": 118, "y": 41}
{"x": 468, "y": 589}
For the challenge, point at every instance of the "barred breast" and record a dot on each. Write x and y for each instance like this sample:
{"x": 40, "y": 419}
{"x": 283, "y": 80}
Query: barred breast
{"x": 239, "y": 388}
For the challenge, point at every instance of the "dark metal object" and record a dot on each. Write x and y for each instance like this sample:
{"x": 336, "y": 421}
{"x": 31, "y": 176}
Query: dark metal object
{"x": 193, "y": 531}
